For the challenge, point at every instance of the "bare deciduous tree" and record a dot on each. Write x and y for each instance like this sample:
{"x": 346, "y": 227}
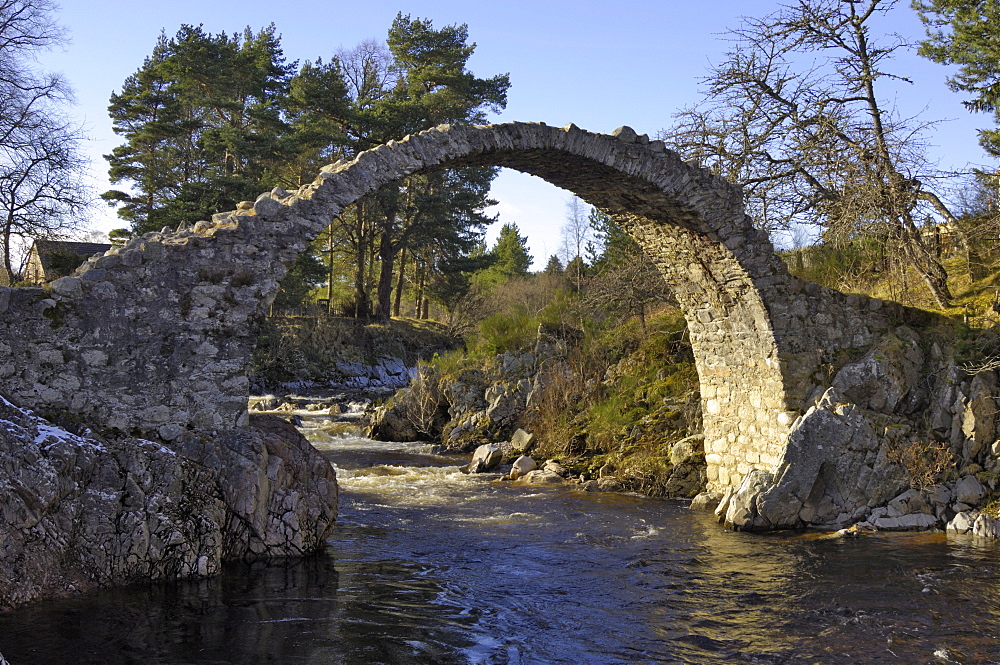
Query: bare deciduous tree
{"x": 41, "y": 170}
{"x": 576, "y": 233}
{"x": 794, "y": 116}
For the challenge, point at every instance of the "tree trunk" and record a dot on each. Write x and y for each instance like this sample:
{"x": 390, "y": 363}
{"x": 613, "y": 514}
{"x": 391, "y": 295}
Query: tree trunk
{"x": 399, "y": 282}
{"x": 418, "y": 300}
{"x": 8, "y": 265}
{"x": 360, "y": 267}
{"x": 386, "y": 254}
{"x": 930, "y": 269}
{"x": 916, "y": 250}
{"x": 329, "y": 275}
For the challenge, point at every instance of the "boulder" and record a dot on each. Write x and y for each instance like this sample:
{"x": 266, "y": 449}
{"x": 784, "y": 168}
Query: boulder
{"x": 938, "y": 495}
{"x": 85, "y": 511}
{"x": 555, "y": 467}
{"x": 833, "y": 468}
{"x": 541, "y": 477}
{"x": 706, "y": 501}
{"x": 521, "y": 442}
{"x": 609, "y": 484}
{"x": 687, "y": 478}
{"x": 522, "y": 466}
{"x": 963, "y": 522}
{"x": 986, "y": 527}
{"x": 387, "y": 424}
{"x": 465, "y": 393}
{"x": 265, "y": 403}
{"x": 507, "y": 401}
{"x": 909, "y": 502}
{"x": 883, "y": 378}
{"x": 485, "y": 458}
{"x": 969, "y": 490}
{"x": 687, "y": 448}
{"x": 979, "y": 416}
{"x": 741, "y": 508}
{"x": 913, "y": 522}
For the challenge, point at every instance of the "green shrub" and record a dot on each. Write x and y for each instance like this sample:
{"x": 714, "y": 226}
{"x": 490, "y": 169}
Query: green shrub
{"x": 507, "y": 331}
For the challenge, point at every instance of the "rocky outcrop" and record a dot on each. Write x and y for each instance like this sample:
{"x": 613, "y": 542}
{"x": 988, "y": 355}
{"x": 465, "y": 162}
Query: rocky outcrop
{"x": 899, "y": 441}
{"x": 297, "y": 353}
{"x": 473, "y": 407}
{"x": 82, "y": 511}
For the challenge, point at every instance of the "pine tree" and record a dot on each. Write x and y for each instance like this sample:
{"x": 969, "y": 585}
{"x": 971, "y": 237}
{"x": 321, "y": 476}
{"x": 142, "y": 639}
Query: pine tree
{"x": 966, "y": 33}
{"x": 148, "y": 113}
{"x": 432, "y": 86}
{"x": 509, "y": 258}
{"x": 554, "y": 266}
{"x": 203, "y": 125}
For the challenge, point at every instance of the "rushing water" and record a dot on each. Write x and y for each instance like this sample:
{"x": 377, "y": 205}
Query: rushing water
{"x": 432, "y": 566}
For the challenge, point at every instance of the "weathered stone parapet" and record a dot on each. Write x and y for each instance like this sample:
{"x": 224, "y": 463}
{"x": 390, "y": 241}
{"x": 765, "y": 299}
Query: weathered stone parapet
{"x": 155, "y": 337}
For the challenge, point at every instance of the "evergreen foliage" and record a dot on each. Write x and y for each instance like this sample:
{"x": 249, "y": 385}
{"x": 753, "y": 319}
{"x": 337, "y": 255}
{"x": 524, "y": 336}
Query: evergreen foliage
{"x": 210, "y": 120}
{"x": 509, "y": 258}
{"x": 554, "y": 266}
{"x": 203, "y": 124}
{"x": 966, "y": 33}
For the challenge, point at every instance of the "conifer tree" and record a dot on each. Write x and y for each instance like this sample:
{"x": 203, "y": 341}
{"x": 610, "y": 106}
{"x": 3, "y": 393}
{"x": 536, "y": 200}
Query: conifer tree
{"x": 203, "y": 126}
{"x": 967, "y": 33}
{"x": 432, "y": 86}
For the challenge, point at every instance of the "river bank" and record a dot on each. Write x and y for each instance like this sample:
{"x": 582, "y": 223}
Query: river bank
{"x": 895, "y": 436}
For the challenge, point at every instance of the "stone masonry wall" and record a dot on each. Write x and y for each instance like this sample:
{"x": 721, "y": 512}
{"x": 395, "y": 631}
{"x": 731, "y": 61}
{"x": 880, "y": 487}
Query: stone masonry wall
{"x": 154, "y": 338}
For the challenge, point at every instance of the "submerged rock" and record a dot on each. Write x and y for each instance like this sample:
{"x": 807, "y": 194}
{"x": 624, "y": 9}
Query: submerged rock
{"x": 84, "y": 511}
{"x": 706, "y": 501}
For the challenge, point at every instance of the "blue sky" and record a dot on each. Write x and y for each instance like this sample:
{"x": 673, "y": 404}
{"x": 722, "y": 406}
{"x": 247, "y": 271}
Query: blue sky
{"x": 599, "y": 65}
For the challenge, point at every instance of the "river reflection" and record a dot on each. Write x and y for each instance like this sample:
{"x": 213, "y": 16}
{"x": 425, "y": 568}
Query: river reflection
{"x": 432, "y": 566}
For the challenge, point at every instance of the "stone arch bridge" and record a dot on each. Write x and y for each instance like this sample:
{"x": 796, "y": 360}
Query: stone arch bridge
{"x": 155, "y": 337}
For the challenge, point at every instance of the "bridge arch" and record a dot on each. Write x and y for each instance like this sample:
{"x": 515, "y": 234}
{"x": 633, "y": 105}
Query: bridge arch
{"x": 156, "y": 337}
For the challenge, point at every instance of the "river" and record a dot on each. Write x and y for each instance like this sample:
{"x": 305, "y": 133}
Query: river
{"x": 429, "y": 565}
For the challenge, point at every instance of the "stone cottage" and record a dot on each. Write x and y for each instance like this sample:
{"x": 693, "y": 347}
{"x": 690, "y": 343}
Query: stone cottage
{"x": 50, "y": 259}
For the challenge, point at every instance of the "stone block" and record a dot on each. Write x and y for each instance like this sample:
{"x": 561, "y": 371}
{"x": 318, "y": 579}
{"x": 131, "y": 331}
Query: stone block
{"x": 914, "y": 522}
{"x": 67, "y": 287}
{"x": 963, "y": 522}
{"x": 522, "y": 466}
